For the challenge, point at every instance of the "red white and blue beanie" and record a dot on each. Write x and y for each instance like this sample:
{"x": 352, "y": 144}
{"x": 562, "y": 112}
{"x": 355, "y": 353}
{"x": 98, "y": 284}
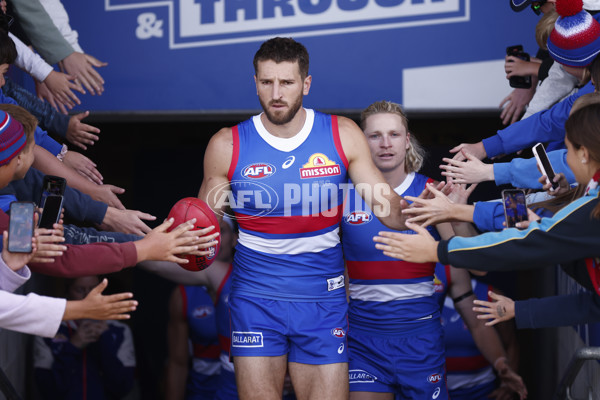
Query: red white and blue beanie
{"x": 12, "y": 138}
{"x": 575, "y": 39}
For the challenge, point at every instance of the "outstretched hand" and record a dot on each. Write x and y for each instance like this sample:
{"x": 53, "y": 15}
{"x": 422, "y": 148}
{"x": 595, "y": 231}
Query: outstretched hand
{"x": 459, "y": 193}
{"x": 502, "y": 309}
{"x": 81, "y": 134}
{"x": 81, "y": 66}
{"x": 419, "y": 248}
{"x": 126, "y": 221}
{"x": 166, "y": 246}
{"x": 61, "y": 87}
{"x": 429, "y": 209}
{"x": 469, "y": 170}
{"x": 84, "y": 166}
{"x": 49, "y": 244}
{"x": 513, "y": 105}
{"x": 475, "y": 149}
{"x": 97, "y": 306}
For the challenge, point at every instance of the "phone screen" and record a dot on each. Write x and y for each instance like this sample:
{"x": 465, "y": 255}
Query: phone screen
{"x": 51, "y": 211}
{"x": 52, "y": 185}
{"x": 515, "y": 206}
{"x": 544, "y": 163}
{"x": 20, "y": 227}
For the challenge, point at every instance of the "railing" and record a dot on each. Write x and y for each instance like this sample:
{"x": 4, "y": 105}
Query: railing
{"x": 581, "y": 356}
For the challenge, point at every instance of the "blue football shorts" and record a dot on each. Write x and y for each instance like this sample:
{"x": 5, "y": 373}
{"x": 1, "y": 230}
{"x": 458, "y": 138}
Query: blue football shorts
{"x": 308, "y": 332}
{"x": 412, "y": 366}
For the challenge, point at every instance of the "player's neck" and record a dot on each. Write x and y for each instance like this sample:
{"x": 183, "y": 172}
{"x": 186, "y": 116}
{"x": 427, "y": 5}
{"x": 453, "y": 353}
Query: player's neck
{"x": 395, "y": 177}
{"x": 287, "y": 130}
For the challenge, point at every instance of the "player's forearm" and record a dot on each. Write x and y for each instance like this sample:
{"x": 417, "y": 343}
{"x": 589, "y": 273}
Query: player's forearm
{"x": 176, "y": 378}
{"x": 488, "y": 342}
{"x": 389, "y": 211}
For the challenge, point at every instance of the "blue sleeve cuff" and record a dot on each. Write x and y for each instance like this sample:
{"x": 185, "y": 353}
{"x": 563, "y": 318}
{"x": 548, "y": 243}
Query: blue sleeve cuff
{"x": 96, "y": 211}
{"x": 501, "y": 173}
{"x": 493, "y": 146}
{"x": 42, "y": 139}
{"x": 5, "y": 201}
{"x": 523, "y": 315}
{"x": 488, "y": 216}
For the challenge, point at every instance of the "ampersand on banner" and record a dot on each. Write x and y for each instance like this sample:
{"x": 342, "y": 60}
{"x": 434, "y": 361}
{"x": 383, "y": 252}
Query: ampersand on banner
{"x": 148, "y": 26}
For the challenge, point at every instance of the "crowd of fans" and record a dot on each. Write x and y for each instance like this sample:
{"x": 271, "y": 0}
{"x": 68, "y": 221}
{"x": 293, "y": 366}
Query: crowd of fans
{"x": 81, "y": 350}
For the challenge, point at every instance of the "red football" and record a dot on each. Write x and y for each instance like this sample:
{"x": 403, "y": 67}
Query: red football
{"x": 192, "y": 207}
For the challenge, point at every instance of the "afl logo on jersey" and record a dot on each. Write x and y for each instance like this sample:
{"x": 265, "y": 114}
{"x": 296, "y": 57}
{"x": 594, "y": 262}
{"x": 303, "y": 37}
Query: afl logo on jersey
{"x": 202, "y": 312}
{"x": 319, "y": 165}
{"x": 258, "y": 171}
{"x": 358, "y": 218}
{"x": 338, "y": 332}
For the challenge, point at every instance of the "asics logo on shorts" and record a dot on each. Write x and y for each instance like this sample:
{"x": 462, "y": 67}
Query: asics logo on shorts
{"x": 341, "y": 348}
{"x": 246, "y": 339}
{"x": 436, "y": 393}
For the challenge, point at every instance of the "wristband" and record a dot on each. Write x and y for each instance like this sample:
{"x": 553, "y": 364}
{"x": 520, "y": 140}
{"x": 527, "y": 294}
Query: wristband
{"x": 63, "y": 152}
{"x": 462, "y": 296}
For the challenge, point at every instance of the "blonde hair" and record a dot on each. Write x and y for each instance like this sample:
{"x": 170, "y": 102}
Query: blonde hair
{"x": 544, "y": 27}
{"x": 415, "y": 154}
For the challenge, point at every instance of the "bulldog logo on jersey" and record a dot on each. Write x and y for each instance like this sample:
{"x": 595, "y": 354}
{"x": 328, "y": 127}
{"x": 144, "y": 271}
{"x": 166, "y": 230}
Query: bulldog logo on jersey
{"x": 258, "y": 170}
{"x": 319, "y": 165}
{"x": 358, "y": 218}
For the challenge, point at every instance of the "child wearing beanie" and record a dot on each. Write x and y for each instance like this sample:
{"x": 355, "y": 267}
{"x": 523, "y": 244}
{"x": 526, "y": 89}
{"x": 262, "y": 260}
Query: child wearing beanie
{"x": 575, "y": 40}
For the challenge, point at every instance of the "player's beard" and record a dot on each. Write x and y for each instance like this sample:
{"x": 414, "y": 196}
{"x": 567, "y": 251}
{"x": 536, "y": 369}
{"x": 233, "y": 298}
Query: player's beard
{"x": 282, "y": 117}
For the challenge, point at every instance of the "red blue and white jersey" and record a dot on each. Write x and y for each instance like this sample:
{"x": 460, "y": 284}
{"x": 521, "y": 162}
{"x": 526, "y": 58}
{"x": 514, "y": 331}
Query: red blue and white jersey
{"x": 287, "y": 195}
{"x": 466, "y": 367}
{"x": 387, "y": 295}
{"x": 199, "y": 312}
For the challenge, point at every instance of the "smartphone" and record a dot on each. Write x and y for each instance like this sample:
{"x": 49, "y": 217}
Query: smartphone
{"x": 544, "y": 164}
{"x": 20, "y": 226}
{"x": 51, "y": 212}
{"x": 519, "y": 82}
{"x": 515, "y": 206}
{"x": 52, "y": 185}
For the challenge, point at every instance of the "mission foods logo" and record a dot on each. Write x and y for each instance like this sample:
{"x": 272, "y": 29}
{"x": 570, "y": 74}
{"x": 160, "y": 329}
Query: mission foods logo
{"x": 319, "y": 165}
{"x": 194, "y": 23}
